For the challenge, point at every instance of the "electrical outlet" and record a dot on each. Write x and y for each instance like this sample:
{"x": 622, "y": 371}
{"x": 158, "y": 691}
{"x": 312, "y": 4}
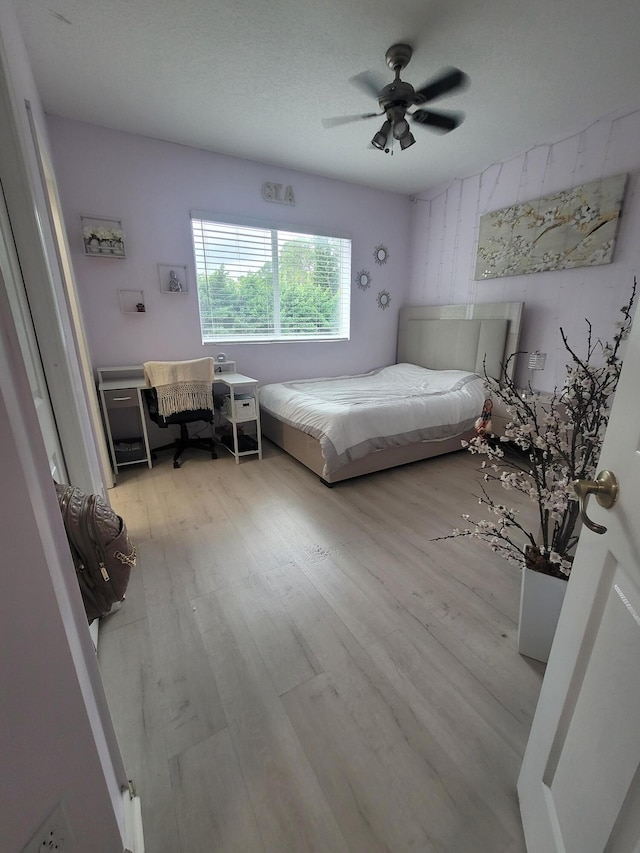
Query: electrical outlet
{"x": 53, "y": 836}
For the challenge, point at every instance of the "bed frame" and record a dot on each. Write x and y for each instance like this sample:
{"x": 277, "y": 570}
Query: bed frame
{"x": 440, "y": 337}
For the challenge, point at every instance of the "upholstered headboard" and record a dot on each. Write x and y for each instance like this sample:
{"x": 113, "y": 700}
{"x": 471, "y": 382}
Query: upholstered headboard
{"x": 460, "y": 337}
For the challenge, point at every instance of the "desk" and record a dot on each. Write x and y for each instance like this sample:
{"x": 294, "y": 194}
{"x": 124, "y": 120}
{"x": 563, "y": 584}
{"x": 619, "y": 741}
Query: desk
{"x": 120, "y": 390}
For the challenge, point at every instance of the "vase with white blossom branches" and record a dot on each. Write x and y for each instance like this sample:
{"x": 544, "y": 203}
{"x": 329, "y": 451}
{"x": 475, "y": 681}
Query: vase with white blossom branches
{"x": 556, "y": 440}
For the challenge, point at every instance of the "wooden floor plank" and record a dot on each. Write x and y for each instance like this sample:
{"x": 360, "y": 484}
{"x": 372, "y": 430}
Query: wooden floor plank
{"x": 478, "y": 746}
{"x": 191, "y": 707}
{"x": 130, "y": 680}
{"x": 420, "y": 769}
{"x": 282, "y": 646}
{"x": 372, "y": 815}
{"x": 213, "y": 809}
{"x": 214, "y": 556}
{"x": 288, "y": 802}
{"x": 297, "y": 668}
{"x": 358, "y": 609}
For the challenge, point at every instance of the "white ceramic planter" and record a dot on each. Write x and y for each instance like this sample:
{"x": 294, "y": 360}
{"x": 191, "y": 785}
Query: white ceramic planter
{"x": 541, "y": 598}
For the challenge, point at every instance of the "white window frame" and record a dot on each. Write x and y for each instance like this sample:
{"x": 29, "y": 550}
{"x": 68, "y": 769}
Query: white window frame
{"x": 344, "y": 321}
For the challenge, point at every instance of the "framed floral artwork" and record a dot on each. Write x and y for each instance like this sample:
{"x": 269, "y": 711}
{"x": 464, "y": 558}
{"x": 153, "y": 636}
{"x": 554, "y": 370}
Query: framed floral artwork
{"x": 572, "y": 228}
{"x": 102, "y": 237}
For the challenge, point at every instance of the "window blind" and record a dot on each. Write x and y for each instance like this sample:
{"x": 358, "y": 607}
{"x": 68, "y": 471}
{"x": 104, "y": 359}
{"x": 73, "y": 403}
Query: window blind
{"x": 265, "y": 284}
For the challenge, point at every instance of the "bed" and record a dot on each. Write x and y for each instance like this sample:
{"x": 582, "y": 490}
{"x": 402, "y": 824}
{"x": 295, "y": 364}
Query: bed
{"x": 424, "y": 405}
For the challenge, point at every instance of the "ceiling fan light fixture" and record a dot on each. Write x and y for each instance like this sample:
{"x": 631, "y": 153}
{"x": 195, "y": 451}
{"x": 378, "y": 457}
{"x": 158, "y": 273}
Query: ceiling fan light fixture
{"x": 407, "y": 140}
{"x": 401, "y": 129}
{"x": 396, "y": 101}
{"x": 379, "y": 141}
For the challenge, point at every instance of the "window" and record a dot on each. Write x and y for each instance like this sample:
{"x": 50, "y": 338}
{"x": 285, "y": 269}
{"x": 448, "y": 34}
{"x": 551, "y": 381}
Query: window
{"x": 263, "y": 284}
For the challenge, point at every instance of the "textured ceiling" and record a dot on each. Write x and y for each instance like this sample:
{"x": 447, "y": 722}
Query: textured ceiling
{"x": 254, "y": 78}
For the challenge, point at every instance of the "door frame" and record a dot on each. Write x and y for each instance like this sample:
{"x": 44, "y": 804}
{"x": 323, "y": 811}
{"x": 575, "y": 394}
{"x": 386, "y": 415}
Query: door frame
{"x": 39, "y": 253}
{"x": 11, "y": 279}
{"x": 72, "y": 301}
{"x": 35, "y": 243}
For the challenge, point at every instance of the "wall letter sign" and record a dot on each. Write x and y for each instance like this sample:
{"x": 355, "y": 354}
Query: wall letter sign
{"x": 276, "y": 192}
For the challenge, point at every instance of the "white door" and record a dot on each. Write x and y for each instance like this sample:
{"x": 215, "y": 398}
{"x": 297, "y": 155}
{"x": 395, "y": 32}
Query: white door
{"x": 54, "y": 212}
{"x": 579, "y": 785}
{"x": 11, "y": 280}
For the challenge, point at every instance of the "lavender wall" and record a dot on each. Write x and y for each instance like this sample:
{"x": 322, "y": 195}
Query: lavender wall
{"x": 444, "y": 237}
{"x": 151, "y": 186}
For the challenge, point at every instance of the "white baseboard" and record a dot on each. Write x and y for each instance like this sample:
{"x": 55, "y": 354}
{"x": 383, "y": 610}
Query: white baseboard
{"x": 133, "y": 833}
{"x": 93, "y": 630}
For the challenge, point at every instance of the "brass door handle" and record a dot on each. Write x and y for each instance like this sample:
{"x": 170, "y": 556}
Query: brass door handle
{"x": 605, "y": 488}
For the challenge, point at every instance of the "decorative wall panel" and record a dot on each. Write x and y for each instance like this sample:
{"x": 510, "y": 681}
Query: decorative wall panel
{"x": 572, "y": 228}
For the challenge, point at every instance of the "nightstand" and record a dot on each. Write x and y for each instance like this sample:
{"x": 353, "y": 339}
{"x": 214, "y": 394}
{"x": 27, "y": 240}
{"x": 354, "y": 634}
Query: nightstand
{"x": 241, "y": 407}
{"x": 500, "y": 417}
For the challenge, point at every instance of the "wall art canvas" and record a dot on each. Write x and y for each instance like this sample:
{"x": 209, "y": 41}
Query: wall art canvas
{"x": 572, "y": 228}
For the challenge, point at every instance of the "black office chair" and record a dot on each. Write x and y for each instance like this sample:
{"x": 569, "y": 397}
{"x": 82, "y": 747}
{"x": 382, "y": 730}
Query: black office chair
{"x": 182, "y": 419}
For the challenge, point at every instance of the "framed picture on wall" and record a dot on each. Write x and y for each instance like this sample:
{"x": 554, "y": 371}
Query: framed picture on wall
{"x": 102, "y": 237}
{"x": 173, "y": 278}
{"x": 573, "y": 228}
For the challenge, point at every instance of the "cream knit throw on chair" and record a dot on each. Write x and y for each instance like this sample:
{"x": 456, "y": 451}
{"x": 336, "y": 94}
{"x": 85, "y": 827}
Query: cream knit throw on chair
{"x": 181, "y": 386}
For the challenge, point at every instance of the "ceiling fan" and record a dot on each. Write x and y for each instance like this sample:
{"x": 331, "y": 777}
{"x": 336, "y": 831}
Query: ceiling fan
{"x": 396, "y": 98}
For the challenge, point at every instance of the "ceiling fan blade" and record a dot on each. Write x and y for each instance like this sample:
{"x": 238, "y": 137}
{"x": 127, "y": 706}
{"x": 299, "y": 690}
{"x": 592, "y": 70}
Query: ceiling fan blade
{"x": 338, "y": 120}
{"x": 439, "y": 121}
{"x": 369, "y": 83}
{"x": 448, "y": 80}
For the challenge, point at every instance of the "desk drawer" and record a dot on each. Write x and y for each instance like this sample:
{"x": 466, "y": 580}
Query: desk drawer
{"x": 120, "y": 399}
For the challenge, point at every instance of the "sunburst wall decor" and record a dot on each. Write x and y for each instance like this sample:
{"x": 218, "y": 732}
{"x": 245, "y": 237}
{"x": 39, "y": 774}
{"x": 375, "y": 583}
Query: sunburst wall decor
{"x": 384, "y": 300}
{"x": 381, "y": 254}
{"x": 363, "y": 279}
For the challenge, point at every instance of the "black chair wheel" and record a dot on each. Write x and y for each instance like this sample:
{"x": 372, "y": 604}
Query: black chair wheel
{"x": 177, "y": 463}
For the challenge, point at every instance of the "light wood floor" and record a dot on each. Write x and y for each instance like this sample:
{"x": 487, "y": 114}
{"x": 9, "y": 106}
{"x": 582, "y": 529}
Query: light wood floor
{"x": 297, "y": 668}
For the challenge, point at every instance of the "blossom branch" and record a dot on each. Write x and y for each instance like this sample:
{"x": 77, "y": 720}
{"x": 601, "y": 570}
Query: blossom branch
{"x": 558, "y": 441}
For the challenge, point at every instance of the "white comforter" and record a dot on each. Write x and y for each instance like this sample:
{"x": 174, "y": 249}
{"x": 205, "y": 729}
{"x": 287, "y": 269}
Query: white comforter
{"x": 401, "y": 404}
